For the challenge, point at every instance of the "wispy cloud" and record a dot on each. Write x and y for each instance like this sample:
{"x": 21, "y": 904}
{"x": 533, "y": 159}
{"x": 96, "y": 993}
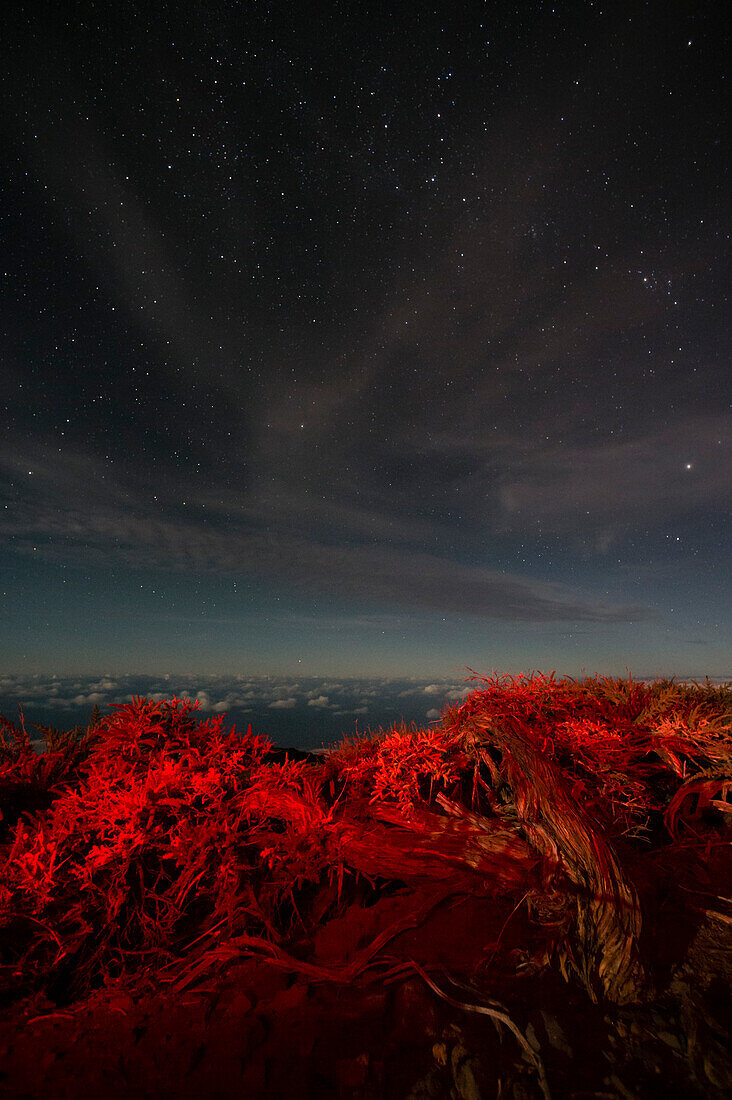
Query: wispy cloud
{"x": 610, "y": 490}
{"x": 107, "y": 520}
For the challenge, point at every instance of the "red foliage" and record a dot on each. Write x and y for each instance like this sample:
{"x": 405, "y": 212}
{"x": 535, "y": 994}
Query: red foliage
{"x": 158, "y": 843}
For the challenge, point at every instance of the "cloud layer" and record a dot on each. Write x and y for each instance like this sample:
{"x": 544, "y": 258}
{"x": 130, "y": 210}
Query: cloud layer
{"x": 304, "y": 712}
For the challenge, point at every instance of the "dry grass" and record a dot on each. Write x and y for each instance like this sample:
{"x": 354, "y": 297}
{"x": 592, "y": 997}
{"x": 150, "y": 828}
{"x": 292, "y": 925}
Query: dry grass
{"x": 154, "y": 847}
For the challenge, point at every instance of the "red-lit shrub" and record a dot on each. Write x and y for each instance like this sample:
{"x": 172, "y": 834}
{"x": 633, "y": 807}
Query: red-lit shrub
{"x": 162, "y": 845}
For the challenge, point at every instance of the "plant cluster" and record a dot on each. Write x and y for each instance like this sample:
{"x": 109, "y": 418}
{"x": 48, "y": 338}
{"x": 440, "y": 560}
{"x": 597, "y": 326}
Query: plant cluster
{"x": 154, "y": 845}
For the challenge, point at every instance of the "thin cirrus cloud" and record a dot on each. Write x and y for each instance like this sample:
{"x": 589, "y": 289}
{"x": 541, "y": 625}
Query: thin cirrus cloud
{"x": 611, "y": 489}
{"x": 594, "y": 493}
{"x": 76, "y": 509}
{"x": 131, "y": 255}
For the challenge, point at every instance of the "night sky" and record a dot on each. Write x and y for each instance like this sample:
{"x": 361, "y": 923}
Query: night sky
{"x": 347, "y": 340}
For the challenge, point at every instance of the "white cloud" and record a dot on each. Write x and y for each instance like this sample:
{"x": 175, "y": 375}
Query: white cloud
{"x": 86, "y": 700}
{"x": 459, "y": 693}
{"x": 283, "y": 704}
{"x": 37, "y": 691}
{"x": 321, "y": 701}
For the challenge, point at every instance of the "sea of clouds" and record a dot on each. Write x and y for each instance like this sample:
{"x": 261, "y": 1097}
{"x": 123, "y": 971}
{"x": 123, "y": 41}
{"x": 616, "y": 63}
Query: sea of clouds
{"x": 300, "y": 712}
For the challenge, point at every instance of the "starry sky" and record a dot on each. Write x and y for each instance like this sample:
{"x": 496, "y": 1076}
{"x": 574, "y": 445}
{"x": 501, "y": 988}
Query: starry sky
{"x": 351, "y": 340}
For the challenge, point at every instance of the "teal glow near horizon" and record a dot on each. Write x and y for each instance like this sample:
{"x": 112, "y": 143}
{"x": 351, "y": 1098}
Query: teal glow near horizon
{"x": 373, "y": 344}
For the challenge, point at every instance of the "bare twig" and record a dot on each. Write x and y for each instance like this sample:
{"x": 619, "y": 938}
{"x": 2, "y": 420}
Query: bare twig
{"x": 497, "y": 1014}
